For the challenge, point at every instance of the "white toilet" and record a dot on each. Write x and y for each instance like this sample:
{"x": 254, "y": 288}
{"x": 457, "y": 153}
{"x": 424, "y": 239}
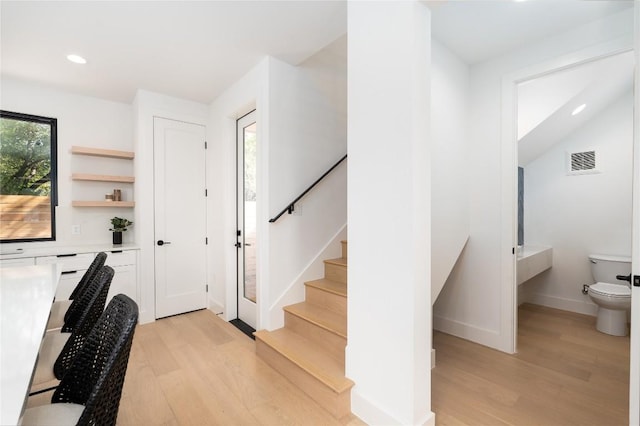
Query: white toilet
{"x": 612, "y": 296}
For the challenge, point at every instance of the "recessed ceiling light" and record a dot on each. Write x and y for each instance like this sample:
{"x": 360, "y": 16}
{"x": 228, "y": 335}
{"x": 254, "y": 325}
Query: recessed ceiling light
{"x": 76, "y": 59}
{"x": 579, "y": 109}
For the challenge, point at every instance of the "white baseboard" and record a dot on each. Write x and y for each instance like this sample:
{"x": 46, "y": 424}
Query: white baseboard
{"x": 371, "y": 414}
{"x": 215, "y": 307}
{"x": 577, "y": 306}
{"x": 490, "y": 338}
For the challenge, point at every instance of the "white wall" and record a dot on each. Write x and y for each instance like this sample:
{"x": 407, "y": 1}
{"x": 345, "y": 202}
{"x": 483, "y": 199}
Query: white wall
{"x": 388, "y": 353}
{"x": 307, "y": 134}
{"x": 83, "y": 121}
{"x": 247, "y": 94}
{"x": 580, "y": 214}
{"x": 450, "y": 180}
{"x": 301, "y": 133}
{"x": 472, "y": 305}
{"x": 146, "y": 106}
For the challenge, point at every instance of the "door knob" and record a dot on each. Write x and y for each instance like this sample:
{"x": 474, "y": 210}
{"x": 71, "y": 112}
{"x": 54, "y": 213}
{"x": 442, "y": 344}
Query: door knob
{"x": 161, "y": 243}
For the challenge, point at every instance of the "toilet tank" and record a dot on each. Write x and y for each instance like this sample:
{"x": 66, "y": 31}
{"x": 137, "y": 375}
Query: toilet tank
{"x": 604, "y": 268}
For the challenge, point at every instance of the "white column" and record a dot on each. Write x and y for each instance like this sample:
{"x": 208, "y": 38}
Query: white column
{"x": 389, "y": 213}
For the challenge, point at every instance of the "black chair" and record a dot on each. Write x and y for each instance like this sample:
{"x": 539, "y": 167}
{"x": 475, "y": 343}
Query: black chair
{"x": 59, "y": 349}
{"x": 90, "y": 391}
{"x": 61, "y": 307}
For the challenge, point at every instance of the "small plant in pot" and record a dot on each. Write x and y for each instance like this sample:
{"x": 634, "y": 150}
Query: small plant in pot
{"x": 119, "y": 225}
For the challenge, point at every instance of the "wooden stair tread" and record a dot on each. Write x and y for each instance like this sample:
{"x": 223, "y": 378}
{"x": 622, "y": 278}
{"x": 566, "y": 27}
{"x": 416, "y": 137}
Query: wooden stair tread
{"x": 324, "y": 318}
{"x": 341, "y": 261}
{"x": 307, "y": 355}
{"x": 329, "y": 286}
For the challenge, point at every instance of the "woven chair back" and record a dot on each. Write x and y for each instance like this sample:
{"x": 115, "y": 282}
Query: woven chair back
{"x": 96, "y": 376}
{"x": 89, "y": 308}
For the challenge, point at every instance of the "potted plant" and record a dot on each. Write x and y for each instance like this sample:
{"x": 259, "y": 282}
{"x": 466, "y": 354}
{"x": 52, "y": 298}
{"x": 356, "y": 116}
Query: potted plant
{"x": 119, "y": 225}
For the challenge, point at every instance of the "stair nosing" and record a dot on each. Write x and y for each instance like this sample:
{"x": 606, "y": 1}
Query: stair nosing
{"x": 340, "y": 261}
{"x": 328, "y": 380}
{"x": 314, "y": 284}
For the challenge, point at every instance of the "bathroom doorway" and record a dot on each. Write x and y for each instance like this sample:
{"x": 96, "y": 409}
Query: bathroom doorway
{"x": 575, "y": 144}
{"x": 509, "y": 161}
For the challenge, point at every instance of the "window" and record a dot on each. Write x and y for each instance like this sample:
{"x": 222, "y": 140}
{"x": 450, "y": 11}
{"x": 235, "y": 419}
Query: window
{"x": 28, "y": 184}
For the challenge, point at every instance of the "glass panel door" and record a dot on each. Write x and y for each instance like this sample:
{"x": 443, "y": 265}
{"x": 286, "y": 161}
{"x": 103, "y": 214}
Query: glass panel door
{"x": 247, "y": 198}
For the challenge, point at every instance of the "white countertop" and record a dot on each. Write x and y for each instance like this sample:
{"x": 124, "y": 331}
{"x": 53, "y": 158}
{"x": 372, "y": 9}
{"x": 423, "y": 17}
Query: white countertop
{"x": 26, "y": 296}
{"x": 6, "y": 251}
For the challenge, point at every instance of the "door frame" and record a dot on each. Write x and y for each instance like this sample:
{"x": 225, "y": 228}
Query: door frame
{"x": 634, "y": 357}
{"x": 509, "y": 174}
{"x": 252, "y": 320}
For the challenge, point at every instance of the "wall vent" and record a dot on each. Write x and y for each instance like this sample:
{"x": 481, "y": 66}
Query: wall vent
{"x": 582, "y": 162}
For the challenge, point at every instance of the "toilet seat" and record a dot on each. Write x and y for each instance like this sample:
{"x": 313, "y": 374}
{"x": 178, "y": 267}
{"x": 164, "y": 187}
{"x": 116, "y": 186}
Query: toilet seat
{"x": 615, "y": 291}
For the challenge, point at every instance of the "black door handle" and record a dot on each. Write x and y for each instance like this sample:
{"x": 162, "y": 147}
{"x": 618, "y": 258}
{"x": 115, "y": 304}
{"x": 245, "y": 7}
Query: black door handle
{"x": 624, "y": 277}
{"x": 161, "y": 243}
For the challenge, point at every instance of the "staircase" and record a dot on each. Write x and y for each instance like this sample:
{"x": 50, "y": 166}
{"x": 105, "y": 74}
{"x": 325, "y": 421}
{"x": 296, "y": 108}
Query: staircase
{"x": 309, "y": 349}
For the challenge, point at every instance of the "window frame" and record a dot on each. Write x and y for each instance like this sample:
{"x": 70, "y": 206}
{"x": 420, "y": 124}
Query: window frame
{"x": 53, "y": 125}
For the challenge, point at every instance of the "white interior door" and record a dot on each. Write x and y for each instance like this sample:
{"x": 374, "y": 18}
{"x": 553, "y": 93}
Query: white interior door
{"x": 247, "y": 243}
{"x": 634, "y": 376}
{"x": 180, "y": 217}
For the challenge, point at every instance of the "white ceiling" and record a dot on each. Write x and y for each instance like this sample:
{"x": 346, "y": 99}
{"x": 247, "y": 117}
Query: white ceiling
{"x": 188, "y": 49}
{"x": 545, "y": 104}
{"x": 478, "y": 30}
{"x": 195, "y": 49}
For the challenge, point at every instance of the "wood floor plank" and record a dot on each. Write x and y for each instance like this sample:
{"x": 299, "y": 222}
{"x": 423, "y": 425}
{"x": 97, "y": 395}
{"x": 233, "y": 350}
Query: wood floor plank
{"x": 157, "y": 353}
{"x": 208, "y": 374}
{"x": 565, "y": 373}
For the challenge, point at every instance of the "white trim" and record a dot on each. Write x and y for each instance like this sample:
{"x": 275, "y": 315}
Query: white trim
{"x": 571, "y": 305}
{"x": 509, "y": 302}
{"x": 371, "y": 413}
{"x": 465, "y": 330}
{"x": 295, "y": 292}
{"x": 634, "y": 373}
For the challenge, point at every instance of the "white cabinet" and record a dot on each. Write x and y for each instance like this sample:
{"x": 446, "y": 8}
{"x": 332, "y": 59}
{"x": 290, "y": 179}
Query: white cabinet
{"x": 124, "y": 281}
{"x": 23, "y": 261}
{"x": 74, "y": 265}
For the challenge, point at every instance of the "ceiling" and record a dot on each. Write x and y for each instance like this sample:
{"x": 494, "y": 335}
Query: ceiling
{"x": 545, "y": 104}
{"x": 478, "y": 30}
{"x": 188, "y": 49}
{"x": 196, "y": 49}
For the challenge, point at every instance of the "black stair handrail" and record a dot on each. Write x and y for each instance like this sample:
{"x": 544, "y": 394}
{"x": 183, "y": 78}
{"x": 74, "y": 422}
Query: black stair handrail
{"x": 291, "y": 207}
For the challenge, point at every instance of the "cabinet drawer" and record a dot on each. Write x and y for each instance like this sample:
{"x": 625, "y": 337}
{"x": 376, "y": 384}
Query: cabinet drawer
{"x": 68, "y": 281}
{"x": 120, "y": 258}
{"x": 71, "y": 262}
{"x": 24, "y": 261}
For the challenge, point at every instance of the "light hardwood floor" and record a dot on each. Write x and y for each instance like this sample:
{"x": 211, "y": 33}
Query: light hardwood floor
{"x": 565, "y": 373}
{"x": 196, "y": 369}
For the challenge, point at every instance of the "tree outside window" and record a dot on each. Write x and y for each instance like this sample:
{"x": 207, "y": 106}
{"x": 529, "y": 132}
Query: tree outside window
{"x": 28, "y": 184}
